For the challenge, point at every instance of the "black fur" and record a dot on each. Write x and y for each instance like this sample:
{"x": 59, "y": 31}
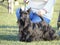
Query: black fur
{"x": 29, "y": 31}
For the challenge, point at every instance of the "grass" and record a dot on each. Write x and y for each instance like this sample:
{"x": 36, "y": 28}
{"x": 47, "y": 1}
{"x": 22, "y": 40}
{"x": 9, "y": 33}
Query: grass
{"x": 9, "y": 28}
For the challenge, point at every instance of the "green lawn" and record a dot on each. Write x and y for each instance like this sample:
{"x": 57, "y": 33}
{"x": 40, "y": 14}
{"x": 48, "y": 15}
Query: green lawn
{"x": 9, "y": 28}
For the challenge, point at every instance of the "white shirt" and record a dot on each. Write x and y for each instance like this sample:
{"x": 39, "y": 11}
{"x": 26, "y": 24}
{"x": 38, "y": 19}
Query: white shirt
{"x": 37, "y": 5}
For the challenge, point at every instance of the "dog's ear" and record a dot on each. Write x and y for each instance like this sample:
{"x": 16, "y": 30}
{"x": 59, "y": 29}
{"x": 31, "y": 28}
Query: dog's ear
{"x": 29, "y": 10}
{"x": 20, "y": 11}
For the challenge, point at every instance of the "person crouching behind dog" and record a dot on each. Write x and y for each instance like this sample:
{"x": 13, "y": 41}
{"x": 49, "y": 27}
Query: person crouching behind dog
{"x": 42, "y": 8}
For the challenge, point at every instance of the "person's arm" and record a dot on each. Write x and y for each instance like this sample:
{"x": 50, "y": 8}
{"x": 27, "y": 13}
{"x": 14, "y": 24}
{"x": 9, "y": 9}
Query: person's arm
{"x": 47, "y": 7}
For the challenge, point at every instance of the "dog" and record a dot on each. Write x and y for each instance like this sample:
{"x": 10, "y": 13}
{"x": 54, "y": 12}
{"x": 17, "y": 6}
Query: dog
{"x": 29, "y": 31}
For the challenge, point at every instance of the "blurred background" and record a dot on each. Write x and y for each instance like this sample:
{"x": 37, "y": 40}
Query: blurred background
{"x": 9, "y": 28}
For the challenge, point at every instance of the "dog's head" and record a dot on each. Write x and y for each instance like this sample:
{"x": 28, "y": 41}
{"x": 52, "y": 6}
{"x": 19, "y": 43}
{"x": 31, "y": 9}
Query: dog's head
{"x": 24, "y": 17}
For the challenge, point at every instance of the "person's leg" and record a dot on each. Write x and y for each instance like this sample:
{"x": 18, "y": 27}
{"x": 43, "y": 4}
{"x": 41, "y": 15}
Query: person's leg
{"x": 34, "y": 17}
{"x": 46, "y": 20}
{"x": 18, "y": 13}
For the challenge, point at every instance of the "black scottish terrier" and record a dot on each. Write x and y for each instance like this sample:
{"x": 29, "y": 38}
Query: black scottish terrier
{"x": 29, "y": 31}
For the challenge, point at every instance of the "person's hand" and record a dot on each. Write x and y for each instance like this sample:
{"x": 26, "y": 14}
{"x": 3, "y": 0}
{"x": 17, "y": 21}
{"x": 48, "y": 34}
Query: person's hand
{"x": 41, "y": 12}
